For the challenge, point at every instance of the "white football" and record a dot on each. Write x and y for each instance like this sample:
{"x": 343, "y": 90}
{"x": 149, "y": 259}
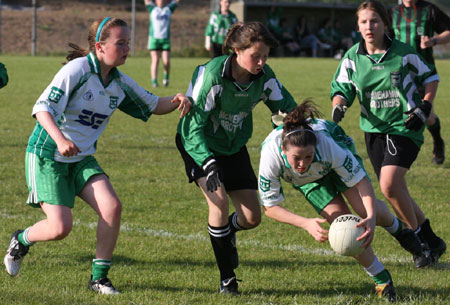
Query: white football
{"x": 343, "y": 233}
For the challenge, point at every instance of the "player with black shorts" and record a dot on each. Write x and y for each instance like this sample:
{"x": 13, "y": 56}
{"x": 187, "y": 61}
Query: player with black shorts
{"x": 415, "y": 22}
{"x": 384, "y": 74}
{"x": 212, "y": 138}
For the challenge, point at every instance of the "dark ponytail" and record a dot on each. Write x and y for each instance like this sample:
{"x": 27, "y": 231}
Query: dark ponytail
{"x": 296, "y": 129}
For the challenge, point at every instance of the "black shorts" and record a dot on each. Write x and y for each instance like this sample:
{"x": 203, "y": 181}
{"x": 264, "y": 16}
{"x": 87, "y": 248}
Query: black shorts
{"x": 384, "y": 149}
{"x": 237, "y": 170}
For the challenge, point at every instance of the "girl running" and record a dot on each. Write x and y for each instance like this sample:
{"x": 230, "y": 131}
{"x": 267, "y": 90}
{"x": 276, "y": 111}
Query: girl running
{"x": 71, "y": 115}
{"x": 385, "y": 73}
{"x": 212, "y": 138}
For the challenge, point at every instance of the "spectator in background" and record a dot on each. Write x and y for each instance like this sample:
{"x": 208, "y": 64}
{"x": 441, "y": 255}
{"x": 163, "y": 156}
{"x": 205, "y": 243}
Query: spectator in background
{"x": 219, "y": 23}
{"x": 307, "y": 39}
{"x": 415, "y": 22}
{"x": 343, "y": 41}
{"x": 287, "y": 38}
{"x": 273, "y": 21}
{"x": 159, "y": 37}
{"x": 3, "y": 76}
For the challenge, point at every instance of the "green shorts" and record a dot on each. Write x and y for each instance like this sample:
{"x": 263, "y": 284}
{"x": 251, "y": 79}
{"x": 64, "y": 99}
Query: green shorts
{"x": 55, "y": 182}
{"x": 320, "y": 193}
{"x": 158, "y": 44}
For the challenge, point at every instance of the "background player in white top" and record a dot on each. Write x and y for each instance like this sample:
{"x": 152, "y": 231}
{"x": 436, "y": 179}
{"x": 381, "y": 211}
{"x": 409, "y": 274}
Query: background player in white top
{"x": 320, "y": 161}
{"x": 71, "y": 114}
{"x": 159, "y": 36}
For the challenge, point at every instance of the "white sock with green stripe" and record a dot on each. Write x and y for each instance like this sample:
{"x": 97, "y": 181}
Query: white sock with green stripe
{"x": 395, "y": 227}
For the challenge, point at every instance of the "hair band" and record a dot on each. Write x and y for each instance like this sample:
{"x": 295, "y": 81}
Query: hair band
{"x": 298, "y": 130}
{"x": 100, "y": 27}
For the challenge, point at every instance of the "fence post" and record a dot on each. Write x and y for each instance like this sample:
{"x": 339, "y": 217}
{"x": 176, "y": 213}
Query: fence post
{"x": 0, "y": 26}
{"x": 33, "y": 30}
{"x": 133, "y": 25}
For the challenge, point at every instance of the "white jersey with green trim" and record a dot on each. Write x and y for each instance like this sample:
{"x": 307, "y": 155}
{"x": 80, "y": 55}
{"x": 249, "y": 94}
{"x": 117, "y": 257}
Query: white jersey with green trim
{"x": 160, "y": 20}
{"x": 331, "y": 154}
{"x": 81, "y": 106}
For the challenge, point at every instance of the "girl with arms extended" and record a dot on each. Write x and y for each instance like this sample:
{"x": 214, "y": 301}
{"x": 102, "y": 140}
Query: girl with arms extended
{"x": 71, "y": 115}
{"x": 212, "y": 138}
{"x": 385, "y": 73}
{"x": 320, "y": 161}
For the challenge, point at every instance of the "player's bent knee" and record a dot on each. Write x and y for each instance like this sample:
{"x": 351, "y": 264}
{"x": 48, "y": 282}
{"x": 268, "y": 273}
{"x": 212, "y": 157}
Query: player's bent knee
{"x": 61, "y": 230}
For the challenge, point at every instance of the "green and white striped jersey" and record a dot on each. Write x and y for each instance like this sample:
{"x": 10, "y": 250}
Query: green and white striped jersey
{"x": 332, "y": 155}
{"x": 410, "y": 24}
{"x": 159, "y": 27}
{"x": 219, "y": 25}
{"x": 221, "y": 117}
{"x": 81, "y": 106}
{"x": 386, "y": 85}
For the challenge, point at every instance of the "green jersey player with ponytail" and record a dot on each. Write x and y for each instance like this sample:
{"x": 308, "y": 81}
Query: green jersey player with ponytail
{"x": 212, "y": 139}
{"x": 385, "y": 74}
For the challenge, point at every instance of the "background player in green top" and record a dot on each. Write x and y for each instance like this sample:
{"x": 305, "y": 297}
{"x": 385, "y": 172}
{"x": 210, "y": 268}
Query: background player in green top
{"x": 159, "y": 36}
{"x": 415, "y": 22}
{"x": 384, "y": 74}
{"x": 3, "y": 76}
{"x": 219, "y": 23}
{"x": 212, "y": 139}
{"x": 72, "y": 113}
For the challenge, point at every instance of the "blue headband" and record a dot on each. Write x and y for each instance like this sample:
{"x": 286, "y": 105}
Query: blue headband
{"x": 100, "y": 27}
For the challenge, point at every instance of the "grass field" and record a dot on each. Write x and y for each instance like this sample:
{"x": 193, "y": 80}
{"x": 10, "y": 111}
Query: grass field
{"x": 163, "y": 254}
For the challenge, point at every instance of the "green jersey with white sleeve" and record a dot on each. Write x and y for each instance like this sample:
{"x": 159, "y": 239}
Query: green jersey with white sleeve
{"x": 159, "y": 27}
{"x": 385, "y": 84}
{"x": 333, "y": 153}
{"x": 81, "y": 105}
{"x": 220, "y": 121}
{"x": 219, "y": 25}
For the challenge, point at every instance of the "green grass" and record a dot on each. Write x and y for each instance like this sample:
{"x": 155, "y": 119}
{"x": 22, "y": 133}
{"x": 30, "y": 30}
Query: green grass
{"x": 163, "y": 254}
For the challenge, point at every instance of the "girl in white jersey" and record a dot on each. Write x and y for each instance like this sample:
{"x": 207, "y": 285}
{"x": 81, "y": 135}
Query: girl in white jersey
{"x": 71, "y": 114}
{"x": 159, "y": 37}
{"x": 319, "y": 160}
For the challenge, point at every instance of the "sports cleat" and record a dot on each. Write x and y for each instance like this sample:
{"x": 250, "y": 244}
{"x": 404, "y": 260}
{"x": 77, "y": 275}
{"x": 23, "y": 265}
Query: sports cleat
{"x": 438, "y": 152}
{"x": 409, "y": 241}
{"x": 102, "y": 286}
{"x": 14, "y": 255}
{"x": 229, "y": 286}
{"x": 234, "y": 255}
{"x": 423, "y": 259}
{"x": 165, "y": 82}
{"x": 436, "y": 252}
{"x": 386, "y": 290}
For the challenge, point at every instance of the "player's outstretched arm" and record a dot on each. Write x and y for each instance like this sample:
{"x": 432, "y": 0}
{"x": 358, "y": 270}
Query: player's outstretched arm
{"x": 368, "y": 198}
{"x": 312, "y": 225}
{"x": 170, "y": 103}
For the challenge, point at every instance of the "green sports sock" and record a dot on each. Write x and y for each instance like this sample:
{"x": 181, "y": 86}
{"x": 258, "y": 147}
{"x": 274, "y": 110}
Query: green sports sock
{"x": 100, "y": 268}
{"x": 166, "y": 75}
{"x": 23, "y": 238}
{"x": 154, "y": 81}
{"x": 382, "y": 277}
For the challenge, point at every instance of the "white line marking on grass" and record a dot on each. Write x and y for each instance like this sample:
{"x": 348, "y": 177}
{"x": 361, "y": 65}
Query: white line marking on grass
{"x": 393, "y": 258}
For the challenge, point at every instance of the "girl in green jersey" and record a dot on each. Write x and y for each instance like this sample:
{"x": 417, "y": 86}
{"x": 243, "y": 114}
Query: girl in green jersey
{"x": 212, "y": 140}
{"x": 385, "y": 75}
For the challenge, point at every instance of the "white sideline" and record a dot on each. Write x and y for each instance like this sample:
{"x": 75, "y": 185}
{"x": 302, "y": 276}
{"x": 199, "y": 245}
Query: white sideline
{"x": 247, "y": 243}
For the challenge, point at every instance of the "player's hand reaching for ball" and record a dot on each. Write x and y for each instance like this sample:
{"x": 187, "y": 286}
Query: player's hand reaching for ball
{"x": 369, "y": 230}
{"x": 313, "y": 227}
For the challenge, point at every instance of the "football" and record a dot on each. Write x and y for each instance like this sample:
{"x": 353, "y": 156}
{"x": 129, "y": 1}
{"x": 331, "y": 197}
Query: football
{"x": 343, "y": 233}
